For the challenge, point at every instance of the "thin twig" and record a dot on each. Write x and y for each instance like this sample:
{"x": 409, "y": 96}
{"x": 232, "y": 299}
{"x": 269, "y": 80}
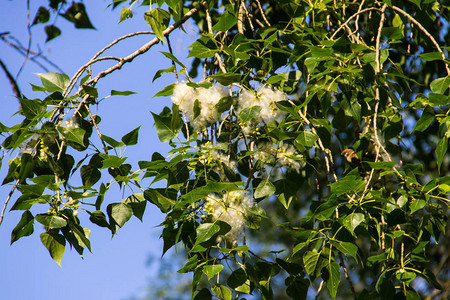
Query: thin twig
{"x": 249, "y": 18}
{"x": 240, "y": 23}
{"x": 259, "y": 257}
{"x": 7, "y": 200}
{"x": 12, "y": 81}
{"x": 319, "y": 289}
{"x": 344, "y": 267}
{"x": 29, "y": 40}
{"x": 132, "y": 56}
{"x": 23, "y": 51}
{"x": 262, "y": 13}
{"x": 93, "y": 59}
{"x": 351, "y": 17}
{"x": 173, "y": 62}
{"x": 377, "y": 101}
{"x": 96, "y": 128}
{"x": 210, "y": 30}
{"x": 424, "y": 31}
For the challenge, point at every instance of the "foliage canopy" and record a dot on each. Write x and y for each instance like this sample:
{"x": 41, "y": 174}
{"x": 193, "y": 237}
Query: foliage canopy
{"x": 287, "y": 87}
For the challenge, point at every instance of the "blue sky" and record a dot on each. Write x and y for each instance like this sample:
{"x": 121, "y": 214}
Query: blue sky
{"x": 117, "y": 267}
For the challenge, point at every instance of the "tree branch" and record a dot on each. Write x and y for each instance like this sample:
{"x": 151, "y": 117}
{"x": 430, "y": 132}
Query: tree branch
{"x": 7, "y": 200}
{"x": 12, "y": 81}
{"x": 424, "y": 31}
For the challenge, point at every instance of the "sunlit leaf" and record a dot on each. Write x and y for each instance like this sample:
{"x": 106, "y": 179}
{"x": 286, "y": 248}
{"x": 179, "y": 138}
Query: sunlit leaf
{"x": 334, "y": 278}
{"x": 50, "y": 220}
{"x": 55, "y": 244}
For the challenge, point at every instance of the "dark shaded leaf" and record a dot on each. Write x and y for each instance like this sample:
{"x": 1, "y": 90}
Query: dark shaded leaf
{"x": 25, "y": 227}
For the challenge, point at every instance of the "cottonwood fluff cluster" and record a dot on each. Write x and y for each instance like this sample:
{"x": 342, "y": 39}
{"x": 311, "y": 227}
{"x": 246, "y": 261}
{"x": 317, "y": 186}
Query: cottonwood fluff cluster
{"x": 186, "y": 96}
{"x": 232, "y": 208}
{"x": 265, "y": 99}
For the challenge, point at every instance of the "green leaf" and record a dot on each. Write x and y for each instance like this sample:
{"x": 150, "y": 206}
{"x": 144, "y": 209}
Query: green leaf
{"x": 326, "y": 209}
{"x": 42, "y": 16}
{"x": 99, "y": 218}
{"x": 221, "y": 291}
{"x": 26, "y": 167}
{"x": 264, "y": 189}
{"x": 211, "y": 187}
{"x": 405, "y": 276}
{"x": 138, "y": 204}
{"x": 226, "y": 78}
{"x": 125, "y": 13}
{"x": 352, "y": 221}
{"x": 158, "y": 73}
{"x": 54, "y": 82}
{"x": 131, "y": 138}
{"x": 307, "y": 138}
{"x": 206, "y": 231}
{"x": 90, "y": 175}
{"x": 310, "y": 259}
{"x": 154, "y": 196}
{"x": 31, "y": 108}
{"x": 26, "y": 201}
{"x": 417, "y": 204}
{"x": 211, "y": 270}
{"x": 334, "y": 279}
{"x": 190, "y": 265}
{"x": 346, "y": 248}
{"x": 348, "y": 184}
{"x": 249, "y": 113}
{"x": 351, "y": 108}
{"x": 112, "y": 161}
{"x": 202, "y": 49}
{"x": 224, "y": 104}
{"x": 55, "y": 244}
{"x": 52, "y": 32}
{"x": 431, "y": 56}
{"x": 173, "y": 58}
{"x": 119, "y": 214}
{"x": 78, "y": 16}
{"x": 203, "y": 294}
{"x": 297, "y": 287}
{"x": 382, "y": 165}
{"x": 226, "y": 22}
{"x": 25, "y": 227}
{"x": 425, "y": 119}
{"x": 121, "y": 93}
{"x": 440, "y": 85}
{"x": 112, "y": 141}
{"x": 81, "y": 234}
{"x": 167, "y": 91}
{"x": 74, "y": 134}
{"x": 441, "y": 149}
{"x": 164, "y": 128}
{"x": 91, "y": 91}
{"x": 237, "y": 278}
{"x": 51, "y": 221}
{"x": 158, "y": 19}
{"x": 321, "y": 52}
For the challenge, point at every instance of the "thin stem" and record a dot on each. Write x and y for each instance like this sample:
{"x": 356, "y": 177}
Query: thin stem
{"x": 210, "y": 30}
{"x": 262, "y": 13}
{"x": 344, "y": 267}
{"x": 7, "y": 200}
{"x": 94, "y": 59}
{"x": 12, "y": 81}
{"x": 425, "y": 32}
{"x": 351, "y": 17}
